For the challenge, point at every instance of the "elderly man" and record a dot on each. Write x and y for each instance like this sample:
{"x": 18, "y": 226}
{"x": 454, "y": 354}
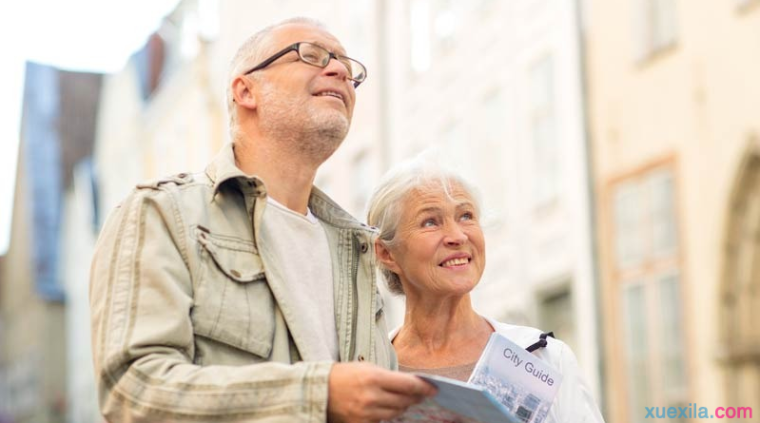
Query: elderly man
{"x": 244, "y": 293}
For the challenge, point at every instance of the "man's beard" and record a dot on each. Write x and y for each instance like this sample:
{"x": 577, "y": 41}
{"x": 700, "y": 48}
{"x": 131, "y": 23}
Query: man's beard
{"x": 315, "y": 132}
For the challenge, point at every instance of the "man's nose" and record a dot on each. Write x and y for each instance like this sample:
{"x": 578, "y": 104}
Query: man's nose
{"x": 336, "y": 68}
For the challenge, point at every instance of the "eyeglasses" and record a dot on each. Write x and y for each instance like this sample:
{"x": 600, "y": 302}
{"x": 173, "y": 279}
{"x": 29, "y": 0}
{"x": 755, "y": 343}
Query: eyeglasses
{"x": 315, "y": 55}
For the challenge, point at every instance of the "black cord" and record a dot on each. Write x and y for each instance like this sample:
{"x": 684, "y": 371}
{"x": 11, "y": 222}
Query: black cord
{"x": 542, "y": 343}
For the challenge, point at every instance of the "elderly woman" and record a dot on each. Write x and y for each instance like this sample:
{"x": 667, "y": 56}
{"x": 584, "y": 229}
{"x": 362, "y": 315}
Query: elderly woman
{"x": 431, "y": 249}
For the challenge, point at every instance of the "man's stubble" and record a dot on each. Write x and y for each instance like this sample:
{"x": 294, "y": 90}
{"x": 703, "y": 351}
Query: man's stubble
{"x": 315, "y": 132}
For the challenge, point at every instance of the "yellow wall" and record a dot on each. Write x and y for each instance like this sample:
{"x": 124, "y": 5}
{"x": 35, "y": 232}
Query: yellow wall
{"x": 695, "y": 104}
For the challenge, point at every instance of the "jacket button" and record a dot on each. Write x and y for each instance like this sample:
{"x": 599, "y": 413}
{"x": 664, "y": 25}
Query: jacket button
{"x": 364, "y": 247}
{"x": 361, "y": 358}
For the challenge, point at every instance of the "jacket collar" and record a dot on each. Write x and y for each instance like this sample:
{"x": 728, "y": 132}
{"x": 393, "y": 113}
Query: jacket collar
{"x": 223, "y": 169}
{"x": 330, "y": 212}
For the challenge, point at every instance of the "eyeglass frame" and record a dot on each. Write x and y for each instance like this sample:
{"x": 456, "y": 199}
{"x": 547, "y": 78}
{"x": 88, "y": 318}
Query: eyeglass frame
{"x": 295, "y": 47}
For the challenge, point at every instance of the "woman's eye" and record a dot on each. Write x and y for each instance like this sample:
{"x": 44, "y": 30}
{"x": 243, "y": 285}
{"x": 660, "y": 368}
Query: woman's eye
{"x": 428, "y": 223}
{"x": 468, "y": 216}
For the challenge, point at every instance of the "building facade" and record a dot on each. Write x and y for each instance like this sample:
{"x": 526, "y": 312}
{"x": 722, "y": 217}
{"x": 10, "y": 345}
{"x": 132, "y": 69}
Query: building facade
{"x": 675, "y": 135}
{"x": 493, "y": 90}
{"x": 57, "y": 132}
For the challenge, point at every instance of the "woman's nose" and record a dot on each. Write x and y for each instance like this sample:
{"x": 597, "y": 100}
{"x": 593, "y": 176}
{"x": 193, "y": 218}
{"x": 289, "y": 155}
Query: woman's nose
{"x": 455, "y": 235}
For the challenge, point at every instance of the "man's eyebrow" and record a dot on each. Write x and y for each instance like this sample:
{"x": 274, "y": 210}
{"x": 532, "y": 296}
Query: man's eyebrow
{"x": 339, "y": 51}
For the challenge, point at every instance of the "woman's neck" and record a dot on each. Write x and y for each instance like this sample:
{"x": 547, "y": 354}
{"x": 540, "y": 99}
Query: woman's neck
{"x": 441, "y": 333}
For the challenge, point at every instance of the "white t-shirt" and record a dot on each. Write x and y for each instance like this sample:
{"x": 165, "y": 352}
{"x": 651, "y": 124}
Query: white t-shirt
{"x": 301, "y": 242}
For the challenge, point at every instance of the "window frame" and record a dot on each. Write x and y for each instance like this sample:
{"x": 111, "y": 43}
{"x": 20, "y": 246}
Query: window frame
{"x": 655, "y": 27}
{"x": 652, "y": 269}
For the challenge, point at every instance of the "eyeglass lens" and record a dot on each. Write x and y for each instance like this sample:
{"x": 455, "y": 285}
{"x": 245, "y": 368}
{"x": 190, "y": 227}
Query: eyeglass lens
{"x": 318, "y": 56}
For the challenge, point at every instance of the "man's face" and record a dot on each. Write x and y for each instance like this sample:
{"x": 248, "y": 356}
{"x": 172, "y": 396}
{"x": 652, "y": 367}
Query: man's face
{"x": 295, "y": 98}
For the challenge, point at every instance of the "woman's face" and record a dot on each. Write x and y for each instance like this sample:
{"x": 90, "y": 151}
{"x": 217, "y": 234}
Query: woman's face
{"x": 439, "y": 247}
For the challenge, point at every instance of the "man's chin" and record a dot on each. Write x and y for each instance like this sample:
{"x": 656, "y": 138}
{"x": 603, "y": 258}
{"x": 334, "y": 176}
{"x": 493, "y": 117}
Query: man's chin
{"x": 333, "y": 125}
{"x": 325, "y": 135}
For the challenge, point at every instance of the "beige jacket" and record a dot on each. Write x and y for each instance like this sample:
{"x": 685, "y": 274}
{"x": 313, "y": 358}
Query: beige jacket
{"x": 191, "y": 320}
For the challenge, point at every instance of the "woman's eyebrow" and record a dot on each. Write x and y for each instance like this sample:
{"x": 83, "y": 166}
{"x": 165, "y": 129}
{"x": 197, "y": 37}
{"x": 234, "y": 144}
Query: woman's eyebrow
{"x": 430, "y": 209}
{"x": 465, "y": 205}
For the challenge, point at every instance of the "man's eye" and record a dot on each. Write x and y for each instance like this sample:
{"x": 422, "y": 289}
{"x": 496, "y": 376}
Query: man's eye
{"x": 311, "y": 57}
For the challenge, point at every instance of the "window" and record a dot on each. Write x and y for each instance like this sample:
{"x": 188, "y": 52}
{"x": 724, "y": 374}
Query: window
{"x": 660, "y": 186}
{"x": 360, "y": 12}
{"x": 434, "y": 26}
{"x": 742, "y": 3}
{"x": 457, "y": 147}
{"x": 543, "y": 132}
{"x": 556, "y": 315}
{"x": 361, "y": 182}
{"x": 672, "y": 370}
{"x": 628, "y": 245}
{"x": 419, "y": 22}
{"x": 21, "y": 385}
{"x": 647, "y": 274}
{"x": 645, "y": 226}
{"x": 493, "y": 113}
{"x": 448, "y": 16}
{"x": 655, "y": 26}
{"x": 208, "y": 13}
{"x": 636, "y": 344}
{"x": 495, "y": 134}
{"x": 86, "y": 188}
{"x": 189, "y": 31}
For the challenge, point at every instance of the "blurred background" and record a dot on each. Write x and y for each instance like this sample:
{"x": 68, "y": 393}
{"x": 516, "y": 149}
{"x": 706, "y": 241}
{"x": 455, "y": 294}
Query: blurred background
{"x": 616, "y": 145}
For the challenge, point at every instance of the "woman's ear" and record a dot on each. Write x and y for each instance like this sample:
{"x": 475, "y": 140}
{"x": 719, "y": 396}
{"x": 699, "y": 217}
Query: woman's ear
{"x": 385, "y": 257}
{"x": 242, "y": 92}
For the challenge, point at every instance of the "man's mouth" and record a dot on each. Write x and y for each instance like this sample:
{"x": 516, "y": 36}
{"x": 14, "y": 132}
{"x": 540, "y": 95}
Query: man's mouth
{"x": 335, "y": 94}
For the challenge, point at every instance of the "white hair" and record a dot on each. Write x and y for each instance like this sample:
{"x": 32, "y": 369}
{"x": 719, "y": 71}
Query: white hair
{"x": 252, "y": 51}
{"x": 387, "y": 201}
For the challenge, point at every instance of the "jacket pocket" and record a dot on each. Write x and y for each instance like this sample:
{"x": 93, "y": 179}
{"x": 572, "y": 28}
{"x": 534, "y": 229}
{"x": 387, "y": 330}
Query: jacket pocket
{"x": 233, "y": 303}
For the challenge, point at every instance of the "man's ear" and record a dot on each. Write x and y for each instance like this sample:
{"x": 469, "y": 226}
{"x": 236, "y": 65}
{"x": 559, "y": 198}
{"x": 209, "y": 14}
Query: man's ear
{"x": 243, "y": 92}
{"x": 385, "y": 257}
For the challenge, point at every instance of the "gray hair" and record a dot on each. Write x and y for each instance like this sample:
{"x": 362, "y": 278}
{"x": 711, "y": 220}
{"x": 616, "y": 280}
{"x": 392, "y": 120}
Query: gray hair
{"x": 387, "y": 202}
{"x": 252, "y": 51}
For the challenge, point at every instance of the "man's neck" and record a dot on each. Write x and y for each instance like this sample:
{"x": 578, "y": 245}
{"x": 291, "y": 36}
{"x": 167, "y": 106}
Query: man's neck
{"x": 288, "y": 176}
